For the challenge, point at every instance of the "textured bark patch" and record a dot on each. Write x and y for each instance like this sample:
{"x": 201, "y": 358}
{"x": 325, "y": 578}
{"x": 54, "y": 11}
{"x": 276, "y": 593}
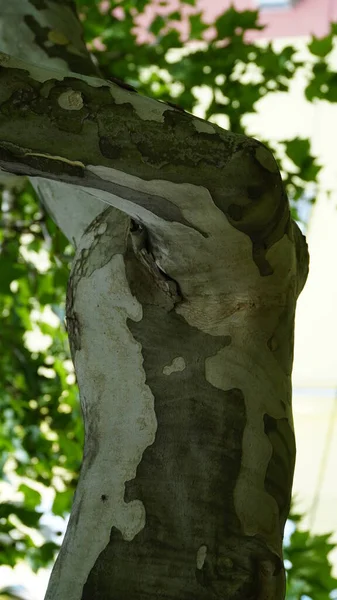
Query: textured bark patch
{"x": 70, "y": 100}
{"x": 266, "y": 159}
{"x": 39, "y": 4}
{"x": 178, "y": 364}
{"x": 281, "y": 343}
{"x": 185, "y": 146}
{"x": 279, "y": 475}
{"x": 104, "y": 244}
{"x": 76, "y": 62}
{"x": 201, "y": 556}
{"x": 108, "y": 149}
{"x": 185, "y": 479}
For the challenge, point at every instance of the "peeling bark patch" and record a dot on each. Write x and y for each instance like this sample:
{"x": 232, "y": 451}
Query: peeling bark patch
{"x": 57, "y": 37}
{"x": 156, "y": 204}
{"x": 259, "y": 257}
{"x": 147, "y": 282}
{"x": 73, "y": 324}
{"x": 106, "y": 240}
{"x": 260, "y": 209}
{"x": 117, "y": 403}
{"x": 66, "y": 107}
{"x": 198, "y": 148}
{"x": 265, "y": 387}
{"x": 178, "y": 364}
{"x": 70, "y": 100}
{"x": 19, "y": 101}
{"x": 201, "y": 556}
{"x": 266, "y": 159}
{"x": 122, "y": 84}
{"x": 78, "y": 63}
{"x": 281, "y": 343}
{"x": 235, "y": 212}
{"x": 176, "y": 106}
{"x": 254, "y": 192}
{"x": 109, "y": 149}
{"x": 39, "y": 4}
{"x": 185, "y": 479}
{"x": 302, "y": 255}
{"x": 204, "y": 127}
{"x": 54, "y": 165}
{"x": 272, "y": 343}
{"x": 103, "y": 241}
{"x": 279, "y": 475}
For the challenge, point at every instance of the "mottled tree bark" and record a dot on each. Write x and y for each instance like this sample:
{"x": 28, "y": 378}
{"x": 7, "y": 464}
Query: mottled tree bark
{"x": 180, "y": 312}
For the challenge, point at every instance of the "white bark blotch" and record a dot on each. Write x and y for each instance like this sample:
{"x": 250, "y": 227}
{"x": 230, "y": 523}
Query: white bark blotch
{"x": 266, "y": 159}
{"x": 110, "y": 373}
{"x": 71, "y": 100}
{"x": 264, "y": 387}
{"x": 72, "y": 217}
{"x": 118, "y": 406}
{"x": 204, "y": 126}
{"x": 178, "y": 364}
{"x": 102, "y": 228}
{"x": 201, "y": 556}
{"x": 148, "y": 109}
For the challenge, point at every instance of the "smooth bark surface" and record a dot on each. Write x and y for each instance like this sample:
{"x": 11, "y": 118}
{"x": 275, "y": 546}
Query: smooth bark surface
{"x": 180, "y": 313}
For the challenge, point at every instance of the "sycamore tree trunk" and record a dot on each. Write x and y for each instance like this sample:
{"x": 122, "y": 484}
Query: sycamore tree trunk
{"x": 180, "y": 313}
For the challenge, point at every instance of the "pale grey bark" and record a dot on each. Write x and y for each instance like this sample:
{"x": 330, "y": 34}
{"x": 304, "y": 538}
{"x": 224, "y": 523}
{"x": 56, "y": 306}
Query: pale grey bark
{"x": 181, "y": 327}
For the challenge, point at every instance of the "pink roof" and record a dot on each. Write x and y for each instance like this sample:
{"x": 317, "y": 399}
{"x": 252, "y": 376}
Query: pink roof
{"x": 307, "y": 17}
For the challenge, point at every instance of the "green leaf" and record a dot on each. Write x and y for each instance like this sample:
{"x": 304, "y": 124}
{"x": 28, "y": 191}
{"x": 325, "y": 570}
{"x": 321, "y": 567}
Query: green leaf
{"x": 62, "y": 502}
{"x": 297, "y": 149}
{"x": 321, "y": 47}
{"x": 174, "y": 16}
{"x": 248, "y": 19}
{"x": 27, "y": 517}
{"x": 157, "y": 24}
{"x": 197, "y": 26}
{"x": 32, "y": 497}
{"x": 229, "y": 22}
{"x": 9, "y": 271}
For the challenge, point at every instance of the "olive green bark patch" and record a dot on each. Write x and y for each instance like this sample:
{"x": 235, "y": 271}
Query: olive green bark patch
{"x": 279, "y": 475}
{"x": 49, "y": 41}
{"x": 266, "y": 159}
{"x": 39, "y": 4}
{"x": 57, "y": 37}
{"x": 185, "y": 479}
{"x": 109, "y": 149}
{"x": 281, "y": 343}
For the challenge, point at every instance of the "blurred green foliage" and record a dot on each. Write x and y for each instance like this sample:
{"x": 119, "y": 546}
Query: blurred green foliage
{"x": 309, "y": 573}
{"x": 41, "y": 434}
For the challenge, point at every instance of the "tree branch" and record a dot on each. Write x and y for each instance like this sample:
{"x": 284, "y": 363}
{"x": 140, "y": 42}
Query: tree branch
{"x": 140, "y": 155}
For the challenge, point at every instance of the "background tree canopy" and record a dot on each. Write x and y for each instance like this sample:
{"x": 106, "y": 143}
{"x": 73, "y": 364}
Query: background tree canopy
{"x": 41, "y": 432}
